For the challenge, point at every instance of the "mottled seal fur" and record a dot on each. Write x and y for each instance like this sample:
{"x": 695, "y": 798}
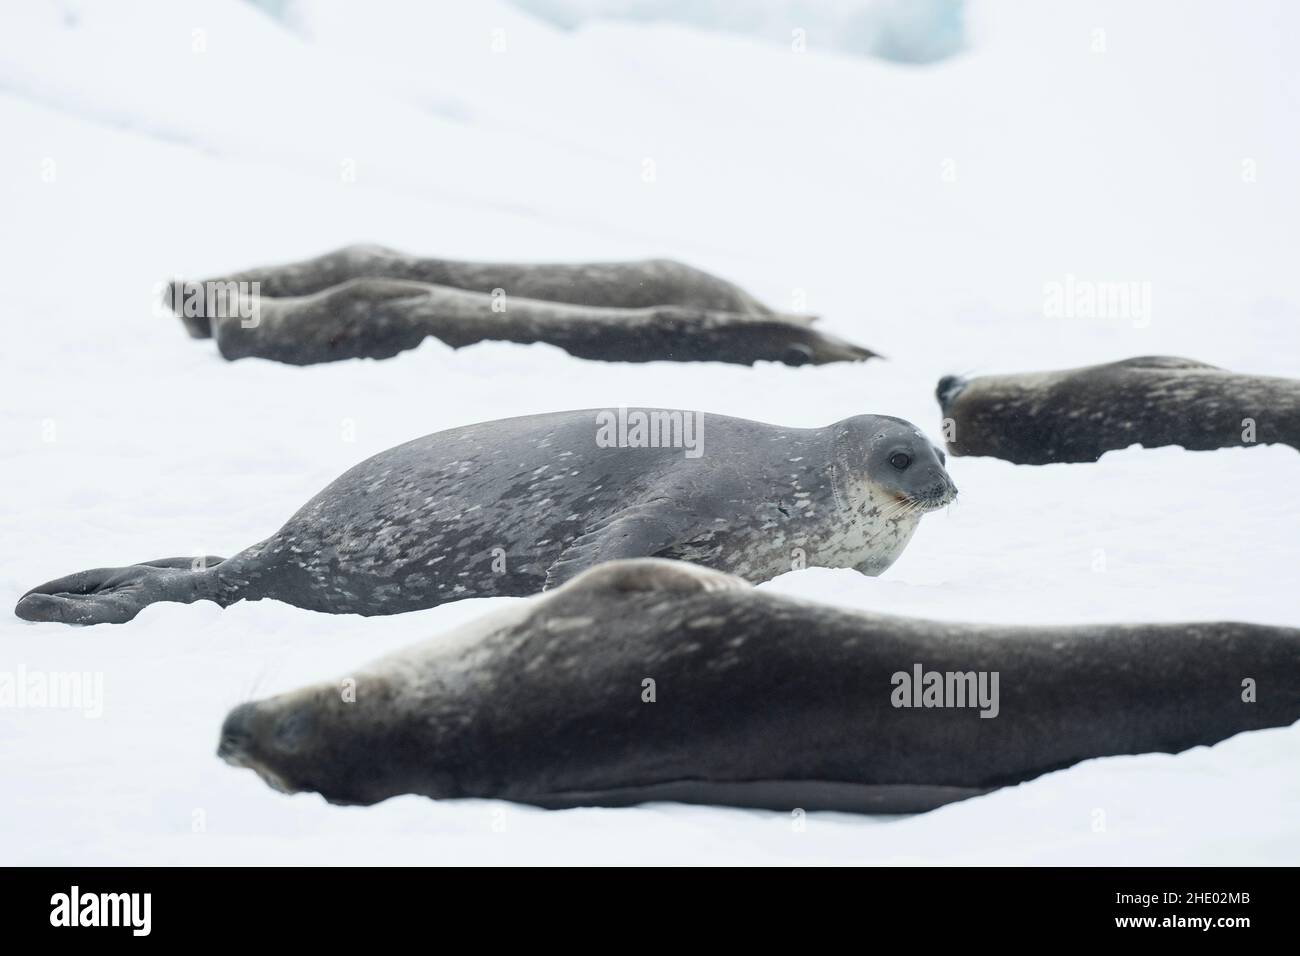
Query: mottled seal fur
{"x": 511, "y": 506}
{"x": 759, "y": 700}
{"x": 371, "y": 302}
{"x": 1077, "y": 415}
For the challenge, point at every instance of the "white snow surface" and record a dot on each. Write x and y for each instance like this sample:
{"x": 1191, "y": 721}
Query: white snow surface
{"x": 919, "y": 211}
{"x": 907, "y": 31}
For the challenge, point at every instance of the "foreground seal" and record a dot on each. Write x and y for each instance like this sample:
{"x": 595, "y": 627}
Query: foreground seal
{"x": 1077, "y": 415}
{"x": 512, "y": 506}
{"x": 371, "y": 302}
{"x": 652, "y": 680}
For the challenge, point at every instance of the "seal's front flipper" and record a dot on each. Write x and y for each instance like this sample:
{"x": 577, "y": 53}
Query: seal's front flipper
{"x": 642, "y": 532}
{"x": 115, "y": 595}
{"x": 613, "y": 584}
{"x": 655, "y": 574}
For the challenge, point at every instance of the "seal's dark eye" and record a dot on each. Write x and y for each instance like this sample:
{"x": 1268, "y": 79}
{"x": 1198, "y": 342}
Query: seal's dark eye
{"x": 900, "y": 460}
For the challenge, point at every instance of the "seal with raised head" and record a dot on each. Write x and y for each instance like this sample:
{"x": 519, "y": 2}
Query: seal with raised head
{"x": 651, "y": 680}
{"x": 512, "y": 506}
{"x": 1077, "y": 415}
{"x": 371, "y": 302}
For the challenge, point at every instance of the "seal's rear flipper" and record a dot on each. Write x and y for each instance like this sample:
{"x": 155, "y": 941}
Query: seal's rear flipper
{"x": 101, "y": 596}
{"x": 115, "y": 595}
{"x": 823, "y": 348}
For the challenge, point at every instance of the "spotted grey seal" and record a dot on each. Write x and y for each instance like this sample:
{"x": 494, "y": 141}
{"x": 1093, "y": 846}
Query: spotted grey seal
{"x": 649, "y": 680}
{"x": 513, "y": 506}
{"x": 371, "y": 302}
{"x": 1076, "y": 415}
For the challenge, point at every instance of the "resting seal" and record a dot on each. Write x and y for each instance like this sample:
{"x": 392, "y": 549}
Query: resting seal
{"x": 371, "y": 302}
{"x": 512, "y": 506}
{"x": 1079, "y": 414}
{"x": 759, "y": 700}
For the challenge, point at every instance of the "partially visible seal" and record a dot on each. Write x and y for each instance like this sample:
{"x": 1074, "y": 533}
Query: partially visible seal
{"x": 649, "y": 680}
{"x": 371, "y": 302}
{"x": 621, "y": 285}
{"x": 1077, "y": 415}
{"x": 513, "y": 506}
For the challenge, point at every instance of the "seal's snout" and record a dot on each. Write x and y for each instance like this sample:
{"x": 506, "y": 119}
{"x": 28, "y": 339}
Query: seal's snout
{"x": 949, "y": 494}
{"x": 939, "y": 493}
{"x": 243, "y": 744}
{"x": 938, "y": 497}
{"x": 950, "y": 386}
{"x": 236, "y": 734}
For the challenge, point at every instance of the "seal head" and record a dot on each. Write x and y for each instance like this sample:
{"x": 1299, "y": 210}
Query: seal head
{"x": 888, "y": 461}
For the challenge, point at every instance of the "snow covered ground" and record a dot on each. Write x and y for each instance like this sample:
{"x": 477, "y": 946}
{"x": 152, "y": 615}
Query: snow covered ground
{"x": 920, "y": 210}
